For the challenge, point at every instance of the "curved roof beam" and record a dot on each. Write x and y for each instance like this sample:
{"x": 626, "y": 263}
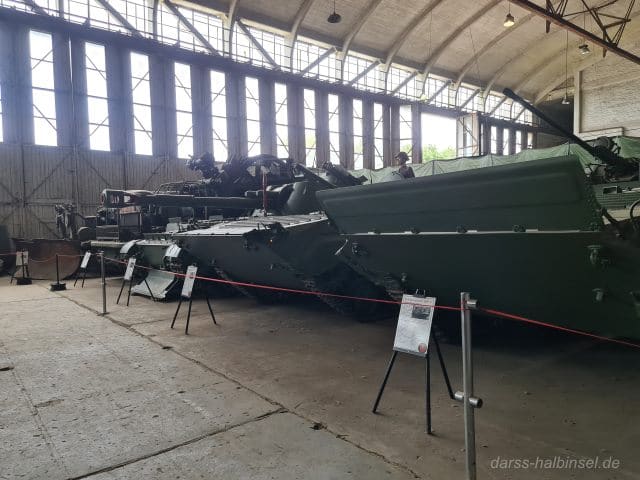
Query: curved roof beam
{"x": 507, "y": 31}
{"x": 539, "y": 68}
{"x": 230, "y": 21}
{"x": 408, "y": 30}
{"x": 299, "y": 18}
{"x": 231, "y": 14}
{"x": 369, "y": 9}
{"x": 430, "y": 62}
{"x": 509, "y": 62}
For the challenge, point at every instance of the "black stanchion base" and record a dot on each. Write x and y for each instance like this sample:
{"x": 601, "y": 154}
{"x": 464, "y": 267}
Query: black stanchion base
{"x": 56, "y": 287}
{"x": 23, "y": 281}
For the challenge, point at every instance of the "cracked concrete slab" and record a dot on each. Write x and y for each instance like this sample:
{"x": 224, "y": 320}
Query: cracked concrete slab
{"x": 282, "y": 447}
{"x": 97, "y": 395}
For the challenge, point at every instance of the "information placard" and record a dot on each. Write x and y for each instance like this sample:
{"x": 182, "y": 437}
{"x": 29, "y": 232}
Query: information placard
{"x": 128, "y": 274}
{"x": 189, "y": 279}
{"x": 414, "y": 325}
{"x": 85, "y": 260}
{"x": 22, "y": 258}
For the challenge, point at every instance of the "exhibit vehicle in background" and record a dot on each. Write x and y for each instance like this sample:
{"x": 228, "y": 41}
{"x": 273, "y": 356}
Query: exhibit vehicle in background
{"x": 290, "y": 246}
{"x": 278, "y": 240}
{"x": 140, "y": 222}
{"x": 544, "y": 239}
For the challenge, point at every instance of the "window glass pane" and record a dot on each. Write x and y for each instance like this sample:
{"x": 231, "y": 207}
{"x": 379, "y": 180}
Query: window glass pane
{"x": 42, "y": 91}
{"x": 334, "y": 128}
{"x": 97, "y": 103}
{"x": 405, "y": 129}
{"x": 252, "y": 101}
{"x": 358, "y": 157}
{"x": 141, "y": 96}
{"x": 219, "y": 115}
{"x": 184, "y": 107}
{"x": 309, "y": 98}
{"x": 378, "y": 135}
{"x": 282, "y": 120}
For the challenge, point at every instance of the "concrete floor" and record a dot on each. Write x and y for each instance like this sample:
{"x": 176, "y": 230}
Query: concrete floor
{"x": 284, "y": 391}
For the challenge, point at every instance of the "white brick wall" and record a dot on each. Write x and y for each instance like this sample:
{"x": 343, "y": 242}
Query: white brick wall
{"x": 610, "y": 95}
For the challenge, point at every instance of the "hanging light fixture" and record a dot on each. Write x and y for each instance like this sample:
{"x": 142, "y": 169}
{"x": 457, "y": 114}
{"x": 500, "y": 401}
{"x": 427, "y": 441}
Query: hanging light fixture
{"x": 565, "y": 98}
{"x": 334, "y": 17}
{"x": 583, "y": 47}
{"x": 509, "y": 21}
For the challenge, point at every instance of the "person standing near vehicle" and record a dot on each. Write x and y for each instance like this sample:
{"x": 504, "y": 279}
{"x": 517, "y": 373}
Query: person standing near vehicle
{"x": 405, "y": 170}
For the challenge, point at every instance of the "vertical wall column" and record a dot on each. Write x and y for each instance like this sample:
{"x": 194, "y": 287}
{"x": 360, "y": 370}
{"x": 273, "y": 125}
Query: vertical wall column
{"x": 164, "y": 130}
{"x": 512, "y": 141}
{"x": 485, "y": 138}
{"x": 236, "y": 115}
{"x": 416, "y": 134}
{"x": 67, "y": 122}
{"x": 295, "y": 116}
{"x": 15, "y": 76}
{"x": 499, "y": 140}
{"x": 201, "y": 110}
{"x": 346, "y": 131}
{"x": 322, "y": 128}
{"x": 267, "y": 116}
{"x": 119, "y": 100}
{"x": 367, "y": 134}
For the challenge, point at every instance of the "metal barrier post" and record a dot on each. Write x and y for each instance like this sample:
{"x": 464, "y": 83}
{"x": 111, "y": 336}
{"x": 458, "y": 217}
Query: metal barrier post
{"x": 104, "y": 284}
{"x": 56, "y": 287}
{"x": 466, "y": 396}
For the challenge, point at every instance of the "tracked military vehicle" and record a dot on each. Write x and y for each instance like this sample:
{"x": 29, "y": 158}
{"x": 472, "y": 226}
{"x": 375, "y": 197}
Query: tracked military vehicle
{"x": 291, "y": 247}
{"x": 531, "y": 238}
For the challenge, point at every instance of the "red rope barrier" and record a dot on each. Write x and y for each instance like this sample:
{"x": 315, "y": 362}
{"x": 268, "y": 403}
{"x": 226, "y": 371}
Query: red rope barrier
{"x": 511, "y": 316}
{"x": 487, "y": 311}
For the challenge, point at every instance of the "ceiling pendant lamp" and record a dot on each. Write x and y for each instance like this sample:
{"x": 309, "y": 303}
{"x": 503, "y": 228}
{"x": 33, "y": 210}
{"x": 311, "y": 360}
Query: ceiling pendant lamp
{"x": 334, "y": 17}
{"x": 509, "y": 21}
{"x": 583, "y": 47}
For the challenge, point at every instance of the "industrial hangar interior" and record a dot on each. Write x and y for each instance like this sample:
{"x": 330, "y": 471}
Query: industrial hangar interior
{"x": 323, "y": 239}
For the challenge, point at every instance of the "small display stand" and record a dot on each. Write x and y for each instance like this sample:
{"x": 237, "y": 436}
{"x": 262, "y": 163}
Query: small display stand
{"x": 187, "y": 292}
{"x": 128, "y": 277}
{"x": 83, "y": 269}
{"x": 413, "y": 336}
{"x": 22, "y": 262}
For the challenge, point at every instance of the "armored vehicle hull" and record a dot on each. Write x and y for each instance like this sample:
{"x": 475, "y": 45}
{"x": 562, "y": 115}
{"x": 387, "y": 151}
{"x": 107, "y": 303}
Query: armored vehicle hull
{"x": 527, "y": 239}
{"x": 290, "y": 252}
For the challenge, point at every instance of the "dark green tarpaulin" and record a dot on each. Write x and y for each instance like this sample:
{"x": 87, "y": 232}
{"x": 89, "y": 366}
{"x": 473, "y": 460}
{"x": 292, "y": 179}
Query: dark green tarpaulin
{"x": 629, "y": 147}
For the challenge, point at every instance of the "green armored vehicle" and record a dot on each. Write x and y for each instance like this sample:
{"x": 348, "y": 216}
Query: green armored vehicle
{"x": 530, "y": 239}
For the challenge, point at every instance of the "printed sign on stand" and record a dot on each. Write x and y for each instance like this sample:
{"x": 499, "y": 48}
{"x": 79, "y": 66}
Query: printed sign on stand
{"x": 22, "y": 258}
{"x": 187, "y": 290}
{"x": 413, "y": 335}
{"x": 128, "y": 274}
{"x": 85, "y": 260}
{"x": 189, "y": 280}
{"x": 414, "y": 325}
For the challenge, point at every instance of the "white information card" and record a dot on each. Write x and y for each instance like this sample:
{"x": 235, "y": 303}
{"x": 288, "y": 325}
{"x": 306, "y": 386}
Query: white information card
{"x": 85, "y": 260}
{"x": 128, "y": 274}
{"x": 22, "y": 258}
{"x": 189, "y": 279}
{"x": 414, "y": 325}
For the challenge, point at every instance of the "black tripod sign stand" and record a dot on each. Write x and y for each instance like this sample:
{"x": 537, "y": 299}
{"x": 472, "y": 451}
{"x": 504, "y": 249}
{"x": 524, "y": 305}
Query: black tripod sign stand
{"x": 128, "y": 277}
{"x": 187, "y": 292}
{"x": 413, "y": 336}
{"x": 83, "y": 269}
{"x": 22, "y": 262}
